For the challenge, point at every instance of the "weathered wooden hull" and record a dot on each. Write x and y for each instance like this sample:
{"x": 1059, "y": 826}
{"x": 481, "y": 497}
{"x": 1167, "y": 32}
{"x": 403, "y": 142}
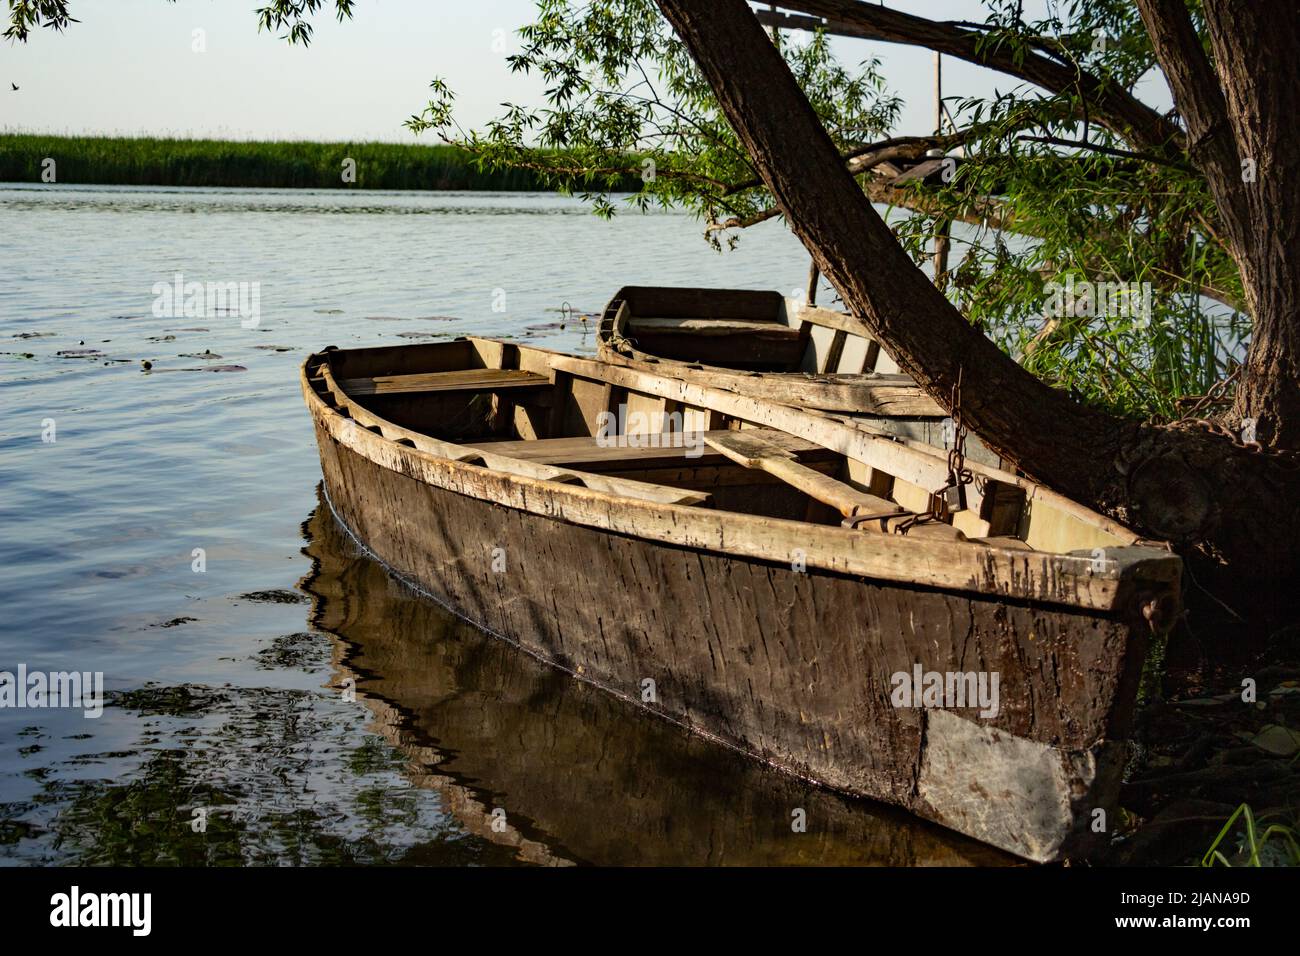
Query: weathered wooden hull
{"x": 793, "y": 667}
{"x": 580, "y": 776}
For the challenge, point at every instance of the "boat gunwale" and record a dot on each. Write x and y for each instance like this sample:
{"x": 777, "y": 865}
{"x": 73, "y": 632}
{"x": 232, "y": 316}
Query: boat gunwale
{"x": 998, "y": 573}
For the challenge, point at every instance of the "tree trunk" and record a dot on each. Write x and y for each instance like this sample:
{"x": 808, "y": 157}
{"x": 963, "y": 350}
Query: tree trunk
{"x": 1229, "y": 509}
{"x": 1244, "y": 138}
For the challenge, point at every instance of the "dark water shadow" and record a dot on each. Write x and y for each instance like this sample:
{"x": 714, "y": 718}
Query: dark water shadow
{"x": 525, "y": 756}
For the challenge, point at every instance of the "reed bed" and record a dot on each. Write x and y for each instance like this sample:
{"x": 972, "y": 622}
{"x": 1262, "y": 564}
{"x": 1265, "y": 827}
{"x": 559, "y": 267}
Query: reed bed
{"x": 150, "y": 161}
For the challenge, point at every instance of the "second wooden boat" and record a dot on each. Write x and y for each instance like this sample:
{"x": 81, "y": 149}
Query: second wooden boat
{"x": 772, "y": 347}
{"x": 738, "y": 566}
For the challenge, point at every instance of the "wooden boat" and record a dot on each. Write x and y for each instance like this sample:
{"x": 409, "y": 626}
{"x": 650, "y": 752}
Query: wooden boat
{"x": 763, "y": 343}
{"x": 735, "y": 565}
{"x": 772, "y": 347}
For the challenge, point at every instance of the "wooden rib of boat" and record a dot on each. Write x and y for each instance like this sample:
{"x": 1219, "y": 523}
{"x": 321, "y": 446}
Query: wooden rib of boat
{"x": 735, "y": 565}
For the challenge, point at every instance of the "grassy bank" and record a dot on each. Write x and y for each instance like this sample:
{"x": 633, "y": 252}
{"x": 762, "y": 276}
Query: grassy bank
{"x": 205, "y": 162}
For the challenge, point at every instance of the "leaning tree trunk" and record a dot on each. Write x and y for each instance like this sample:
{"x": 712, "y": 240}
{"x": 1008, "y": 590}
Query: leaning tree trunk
{"x": 1228, "y": 508}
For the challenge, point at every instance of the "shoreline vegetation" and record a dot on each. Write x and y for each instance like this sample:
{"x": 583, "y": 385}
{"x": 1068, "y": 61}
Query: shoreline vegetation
{"x": 163, "y": 161}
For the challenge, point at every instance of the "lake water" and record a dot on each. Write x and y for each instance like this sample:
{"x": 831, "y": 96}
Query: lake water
{"x": 229, "y": 733}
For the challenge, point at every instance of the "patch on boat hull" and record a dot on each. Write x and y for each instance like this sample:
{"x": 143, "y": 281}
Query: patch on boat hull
{"x": 1020, "y": 795}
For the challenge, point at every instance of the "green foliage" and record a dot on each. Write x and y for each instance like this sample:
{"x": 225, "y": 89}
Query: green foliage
{"x": 1105, "y": 37}
{"x": 199, "y": 162}
{"x": 292, "y": 16}
{"x": 623, "y": 97}
{"x": 1079, "y": 204}
{"x": 1092, "y": 219}
{"x": 1253, "y": 846}
{"x": 25, "y": 15}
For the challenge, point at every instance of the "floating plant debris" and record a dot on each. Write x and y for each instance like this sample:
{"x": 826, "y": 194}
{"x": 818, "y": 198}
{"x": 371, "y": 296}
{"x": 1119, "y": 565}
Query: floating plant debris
{"x": 277, "y": 596}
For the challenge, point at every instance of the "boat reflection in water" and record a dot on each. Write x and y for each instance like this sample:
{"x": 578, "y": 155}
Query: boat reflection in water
{"x": 524, "y": 755}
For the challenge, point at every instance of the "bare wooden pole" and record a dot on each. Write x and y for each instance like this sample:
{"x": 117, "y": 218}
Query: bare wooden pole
{"x": 942, "y": 227}
{"x": 814, "y": 276}
{"x": 938, "y": 93}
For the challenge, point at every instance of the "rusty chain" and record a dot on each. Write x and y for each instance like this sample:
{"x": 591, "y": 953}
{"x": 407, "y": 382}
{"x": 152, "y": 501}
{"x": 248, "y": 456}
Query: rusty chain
{"x": 959, "y": 476}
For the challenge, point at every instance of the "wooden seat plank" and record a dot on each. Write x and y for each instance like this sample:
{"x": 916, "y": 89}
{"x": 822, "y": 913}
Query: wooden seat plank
{"x": 656, "y": 449}
{"x": 754, "y": 450}
{"x": 466, "y": 380}
{"x": 830, "y": 319}
{"x": 703, "y": 326}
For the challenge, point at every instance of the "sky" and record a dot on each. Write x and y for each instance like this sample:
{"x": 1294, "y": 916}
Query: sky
{"x": 130, "y": 68}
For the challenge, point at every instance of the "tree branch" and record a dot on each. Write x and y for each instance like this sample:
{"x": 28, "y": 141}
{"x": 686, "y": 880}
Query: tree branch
{"x": 1109, "y": 104}
{"x": 1106, "y": 150}
{"x": 862, "y": 158}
